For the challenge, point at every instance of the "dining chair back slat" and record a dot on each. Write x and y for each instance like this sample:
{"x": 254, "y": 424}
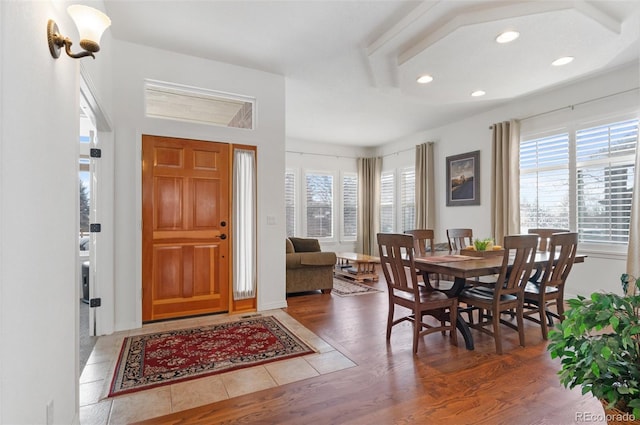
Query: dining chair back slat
{"x": 459, "y": 238}
{"x": 423, "y": 239}
{"x": 544, "y": 236}
{"x": 515, "y": 276}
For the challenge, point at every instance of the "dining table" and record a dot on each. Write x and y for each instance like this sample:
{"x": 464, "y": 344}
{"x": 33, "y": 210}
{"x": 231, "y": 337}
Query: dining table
{"x": 464, "y": 268}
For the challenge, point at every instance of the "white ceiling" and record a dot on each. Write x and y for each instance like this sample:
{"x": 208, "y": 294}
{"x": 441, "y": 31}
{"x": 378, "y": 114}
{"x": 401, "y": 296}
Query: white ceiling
{"x": 351, "y": 66}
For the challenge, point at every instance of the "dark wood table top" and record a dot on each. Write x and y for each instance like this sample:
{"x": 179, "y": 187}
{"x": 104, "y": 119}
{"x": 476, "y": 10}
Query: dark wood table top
{"x": 464, "y": 267}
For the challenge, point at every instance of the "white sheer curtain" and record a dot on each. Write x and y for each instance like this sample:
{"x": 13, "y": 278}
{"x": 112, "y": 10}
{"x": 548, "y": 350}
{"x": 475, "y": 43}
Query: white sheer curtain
{"x": 244, "y": 222}
{"x": 633, "y": 255}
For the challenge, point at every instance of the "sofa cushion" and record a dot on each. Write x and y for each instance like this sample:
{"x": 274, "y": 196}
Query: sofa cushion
{"x": 305, "y": 244}
{"x": 290, "y": 248}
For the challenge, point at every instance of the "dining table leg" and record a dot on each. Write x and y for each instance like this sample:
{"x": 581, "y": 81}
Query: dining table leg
{"x": 461, "y": 324}
{"x": 464, "y": 329}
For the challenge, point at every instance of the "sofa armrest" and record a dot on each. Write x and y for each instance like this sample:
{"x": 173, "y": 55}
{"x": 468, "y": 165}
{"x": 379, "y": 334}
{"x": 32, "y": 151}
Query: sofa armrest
{"x": 318, "y": 259}
{"x": 306, "y": 259}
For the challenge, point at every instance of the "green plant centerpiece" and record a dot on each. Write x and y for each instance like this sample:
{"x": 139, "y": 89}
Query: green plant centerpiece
{"x": 599, "y": 344}
{"x": 483, "y": 244}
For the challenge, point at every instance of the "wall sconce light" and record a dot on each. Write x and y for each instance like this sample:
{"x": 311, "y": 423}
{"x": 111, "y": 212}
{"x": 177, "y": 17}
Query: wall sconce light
{"x": 91, "y": 24}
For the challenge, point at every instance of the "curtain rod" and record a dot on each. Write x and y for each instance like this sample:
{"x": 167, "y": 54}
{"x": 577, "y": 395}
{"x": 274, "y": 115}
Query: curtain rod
{"x": 322, "y": 154}
{"x": 352, "y": 157}
{"x": 400, "y": 151}
{"x": 574, "y": 105}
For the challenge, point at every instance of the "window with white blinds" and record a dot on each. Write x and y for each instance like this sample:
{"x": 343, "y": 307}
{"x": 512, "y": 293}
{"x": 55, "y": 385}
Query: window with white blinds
{"x": 408, "y": 198}
{"x": 605, "y": 158}
{"x": 290, "y": 202}
{"x": 319, "y": 205}
{"x": 387, "y": 193}
{"x": 580, "y": 179}
{"x": 349, "y": 206}
{"x": 544, "y": 182}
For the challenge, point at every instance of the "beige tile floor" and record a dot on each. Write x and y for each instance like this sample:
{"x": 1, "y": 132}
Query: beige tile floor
{"x": 97, "y": 409}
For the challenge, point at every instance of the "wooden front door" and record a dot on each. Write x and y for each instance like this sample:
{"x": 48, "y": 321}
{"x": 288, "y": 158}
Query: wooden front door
{"x": 185, "y": 213}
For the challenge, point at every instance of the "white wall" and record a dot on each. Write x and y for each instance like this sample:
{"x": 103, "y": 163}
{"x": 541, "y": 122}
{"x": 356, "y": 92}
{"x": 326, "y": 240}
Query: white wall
{"x": 134, "y": 63}
{"x": 38, "y": 217}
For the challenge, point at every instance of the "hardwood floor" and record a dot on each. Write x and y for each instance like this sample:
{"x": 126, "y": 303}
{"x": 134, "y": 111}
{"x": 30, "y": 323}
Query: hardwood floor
{"x": 442, "y": 384}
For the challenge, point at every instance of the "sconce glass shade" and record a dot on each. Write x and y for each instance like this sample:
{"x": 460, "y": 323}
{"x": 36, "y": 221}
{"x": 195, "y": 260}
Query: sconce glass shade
{"x": 91, "y": 25}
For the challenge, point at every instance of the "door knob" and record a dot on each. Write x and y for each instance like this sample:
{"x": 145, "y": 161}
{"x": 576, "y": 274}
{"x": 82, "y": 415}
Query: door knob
{"x": 223, "y": 236}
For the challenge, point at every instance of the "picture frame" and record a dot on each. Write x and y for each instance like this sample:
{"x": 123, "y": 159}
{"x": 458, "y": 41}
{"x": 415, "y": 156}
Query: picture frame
{"x": 463, "y": 179}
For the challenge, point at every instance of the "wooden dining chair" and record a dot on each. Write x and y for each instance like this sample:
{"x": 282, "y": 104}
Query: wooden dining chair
{"x": 544, "y": 235}
{"x": 507, "y": 291}
{"x": 549, "y": 290}
{"x": 543, "y": 246}
{"x": 459, "y": 238}
{"x": 424, "y": 242}
{"x": 397, "y": 259}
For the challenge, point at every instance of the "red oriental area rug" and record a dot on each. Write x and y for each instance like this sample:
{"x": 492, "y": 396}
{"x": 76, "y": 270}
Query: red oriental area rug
{"x": 163, "y": 358}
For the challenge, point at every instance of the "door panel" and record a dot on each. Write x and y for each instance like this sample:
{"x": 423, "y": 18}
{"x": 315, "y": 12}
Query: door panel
{"x": 204, "y": 210}
{"x": 168, "y": 210}
{"x": 185, "y": 198}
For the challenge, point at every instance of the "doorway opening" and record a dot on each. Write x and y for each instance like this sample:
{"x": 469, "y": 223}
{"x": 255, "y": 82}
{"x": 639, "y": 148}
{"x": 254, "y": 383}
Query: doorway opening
{"x": 85, "y": 177}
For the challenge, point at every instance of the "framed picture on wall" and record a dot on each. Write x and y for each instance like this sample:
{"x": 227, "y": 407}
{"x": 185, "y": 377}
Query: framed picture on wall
{"x": 463, "y": 179}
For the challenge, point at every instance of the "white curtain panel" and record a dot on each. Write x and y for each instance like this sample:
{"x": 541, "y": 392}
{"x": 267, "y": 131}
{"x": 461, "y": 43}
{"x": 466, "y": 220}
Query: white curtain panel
{"x": 244, "y": 220}
{"x": 633, "y": 254}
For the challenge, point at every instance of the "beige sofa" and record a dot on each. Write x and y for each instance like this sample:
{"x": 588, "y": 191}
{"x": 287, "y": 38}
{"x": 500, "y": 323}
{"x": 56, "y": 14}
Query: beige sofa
{"x": 308, "y": 269}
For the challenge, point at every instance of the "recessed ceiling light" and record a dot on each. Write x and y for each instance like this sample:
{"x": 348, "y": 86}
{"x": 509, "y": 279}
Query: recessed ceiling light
{"x": 562, "y": 61}
{"x": 478, "y": 93}
{"x": 424, "y": 79}
{"x": 507, "y": 36}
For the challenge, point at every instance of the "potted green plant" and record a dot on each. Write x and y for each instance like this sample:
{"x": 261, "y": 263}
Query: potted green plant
{"x": 599, "y": 344}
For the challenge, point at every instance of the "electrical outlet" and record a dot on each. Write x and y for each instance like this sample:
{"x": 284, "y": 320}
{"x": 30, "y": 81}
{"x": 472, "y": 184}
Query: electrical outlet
{"x": 50, "y": 413}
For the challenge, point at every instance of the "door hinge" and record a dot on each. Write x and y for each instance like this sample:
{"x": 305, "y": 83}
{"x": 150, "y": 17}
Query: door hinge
{"x": 95, "y": 302}
{"x": 95, "y": 153}
{"x": 95, "y": 227}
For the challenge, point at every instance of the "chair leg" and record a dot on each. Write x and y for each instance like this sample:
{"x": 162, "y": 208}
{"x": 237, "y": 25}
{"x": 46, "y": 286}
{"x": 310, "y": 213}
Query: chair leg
{"x": 544, "y": 317}
{"x": 417, "y": 326}
{"x": 453, "y": 317}
{"x": 496, "y": 331}
{"x": 520, "y": 320}
{"x": 390, "y": 320}
{"x": 560, "y": 307}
